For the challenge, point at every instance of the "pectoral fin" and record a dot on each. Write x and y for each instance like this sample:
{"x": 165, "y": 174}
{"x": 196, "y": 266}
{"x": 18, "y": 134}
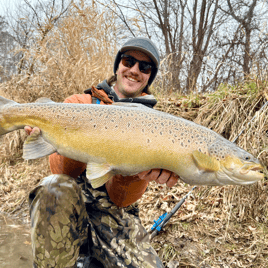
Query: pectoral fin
{"x": 99, "y": 174}
{"x": 206, "y": 162}
{"x": 35, "y": 147}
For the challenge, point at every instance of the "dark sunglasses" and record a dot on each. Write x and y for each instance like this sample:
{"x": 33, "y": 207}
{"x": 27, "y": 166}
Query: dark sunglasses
{"x": 144, "y": 66}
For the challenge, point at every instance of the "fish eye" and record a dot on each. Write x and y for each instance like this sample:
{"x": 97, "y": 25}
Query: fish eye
{"x": 247, "y": 158}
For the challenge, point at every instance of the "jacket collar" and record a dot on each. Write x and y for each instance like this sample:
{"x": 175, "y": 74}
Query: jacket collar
{"x": 105, "y": 93}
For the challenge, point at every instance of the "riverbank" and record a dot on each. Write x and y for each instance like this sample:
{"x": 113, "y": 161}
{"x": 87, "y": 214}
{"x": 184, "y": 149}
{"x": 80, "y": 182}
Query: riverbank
{"x": 217, "y": 226}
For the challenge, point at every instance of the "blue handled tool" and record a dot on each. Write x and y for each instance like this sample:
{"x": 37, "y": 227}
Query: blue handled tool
{"x": 163, "y": 219}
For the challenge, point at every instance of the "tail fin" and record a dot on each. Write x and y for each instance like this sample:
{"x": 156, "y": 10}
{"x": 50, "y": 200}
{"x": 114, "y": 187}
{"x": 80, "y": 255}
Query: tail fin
{"x": 3, "y": 103}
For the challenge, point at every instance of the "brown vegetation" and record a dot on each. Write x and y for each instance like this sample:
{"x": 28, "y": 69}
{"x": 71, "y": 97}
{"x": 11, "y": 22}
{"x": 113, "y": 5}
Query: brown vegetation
{"x": 217, "y": 226}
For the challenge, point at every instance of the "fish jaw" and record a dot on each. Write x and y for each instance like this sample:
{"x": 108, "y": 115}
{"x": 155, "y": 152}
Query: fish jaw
{"x": 231, "y": 170}
{"x": 240, "y": 172}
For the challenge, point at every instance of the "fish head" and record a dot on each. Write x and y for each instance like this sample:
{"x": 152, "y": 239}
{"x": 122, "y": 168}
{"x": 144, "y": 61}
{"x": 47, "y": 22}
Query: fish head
{"x": 237, "y": 166}
{"x": 245, "y": 170}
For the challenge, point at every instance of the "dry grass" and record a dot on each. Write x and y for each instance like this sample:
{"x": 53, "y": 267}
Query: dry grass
{"x": 217, "y": 226}
{"x": 75, "y": 55}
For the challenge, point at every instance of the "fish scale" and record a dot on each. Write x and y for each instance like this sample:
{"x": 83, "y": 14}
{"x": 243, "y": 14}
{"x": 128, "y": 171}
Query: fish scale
{"x": 116, "y": 139}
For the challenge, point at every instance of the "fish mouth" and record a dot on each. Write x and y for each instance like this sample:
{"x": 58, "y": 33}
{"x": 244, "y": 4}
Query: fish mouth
{"x": 247, "y": 174}
{"x": 247, "y": 168}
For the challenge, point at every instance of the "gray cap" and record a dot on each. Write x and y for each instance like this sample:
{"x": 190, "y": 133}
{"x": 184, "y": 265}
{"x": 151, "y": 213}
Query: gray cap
{"x": 142, "y": 44}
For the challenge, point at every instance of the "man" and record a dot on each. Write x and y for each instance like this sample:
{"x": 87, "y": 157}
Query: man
{"x": 68, "y": 216}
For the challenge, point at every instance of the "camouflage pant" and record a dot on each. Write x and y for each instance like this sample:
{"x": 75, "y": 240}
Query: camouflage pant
{"x": 67, "y": 220}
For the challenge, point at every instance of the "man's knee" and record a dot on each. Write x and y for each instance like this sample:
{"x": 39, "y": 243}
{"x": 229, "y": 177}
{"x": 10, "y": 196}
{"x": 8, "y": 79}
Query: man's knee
{"x": 56, "y": 193}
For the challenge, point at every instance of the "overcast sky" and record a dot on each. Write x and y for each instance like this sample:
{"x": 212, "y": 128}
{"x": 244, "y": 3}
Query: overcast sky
{"x": 8, "y": 5}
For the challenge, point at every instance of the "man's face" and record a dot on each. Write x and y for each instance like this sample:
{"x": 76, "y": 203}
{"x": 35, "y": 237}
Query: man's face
{"x": 131, "y": 81}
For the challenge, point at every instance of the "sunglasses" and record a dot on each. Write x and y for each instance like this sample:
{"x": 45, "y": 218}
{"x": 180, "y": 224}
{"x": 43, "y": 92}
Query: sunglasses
{"x": 144, "y": 66}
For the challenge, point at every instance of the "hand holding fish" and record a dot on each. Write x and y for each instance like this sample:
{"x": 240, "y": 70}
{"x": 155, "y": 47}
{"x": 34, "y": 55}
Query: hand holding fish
{"x": 161, "y": 176}
{"x": 29, "y": 130}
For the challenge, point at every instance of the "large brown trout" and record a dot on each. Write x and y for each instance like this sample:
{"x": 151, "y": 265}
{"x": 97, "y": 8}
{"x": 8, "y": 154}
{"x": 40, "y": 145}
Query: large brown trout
{"x": 126, "y": 140}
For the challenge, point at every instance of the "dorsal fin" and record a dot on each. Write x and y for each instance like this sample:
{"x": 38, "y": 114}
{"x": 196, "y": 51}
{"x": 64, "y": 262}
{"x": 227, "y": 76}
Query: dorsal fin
{"x": 131, "y": 104}
{"x": 44, "y": 100}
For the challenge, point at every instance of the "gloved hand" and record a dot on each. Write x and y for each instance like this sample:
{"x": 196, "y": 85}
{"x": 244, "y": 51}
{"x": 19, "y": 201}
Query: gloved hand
{"x": 161, "y": 176}
{"x": 29, "y": 130}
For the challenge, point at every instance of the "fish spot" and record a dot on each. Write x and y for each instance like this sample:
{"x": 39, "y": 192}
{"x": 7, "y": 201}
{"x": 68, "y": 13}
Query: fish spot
{"x": 148, "y": 140}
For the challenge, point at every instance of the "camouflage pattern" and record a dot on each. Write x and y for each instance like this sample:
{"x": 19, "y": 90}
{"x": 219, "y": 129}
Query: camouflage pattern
{"x": 70, "y": 219}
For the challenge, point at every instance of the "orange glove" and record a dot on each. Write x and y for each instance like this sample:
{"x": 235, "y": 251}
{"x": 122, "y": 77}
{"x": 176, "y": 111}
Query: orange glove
{"x": 30, "y": 130}
{"x": 161, "y": 176}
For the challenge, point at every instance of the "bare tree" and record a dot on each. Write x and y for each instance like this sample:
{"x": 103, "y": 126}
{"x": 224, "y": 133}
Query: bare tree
{"x": 7, "y": 57}
{"x": 30, "y": 24}
{"x": 203, "y": 42}
{"x": 202, "y": 22}
{"x": 243, "y": 13}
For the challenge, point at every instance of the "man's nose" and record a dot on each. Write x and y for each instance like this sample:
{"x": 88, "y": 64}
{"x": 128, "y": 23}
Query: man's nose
{"x": 135, "y": 68}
